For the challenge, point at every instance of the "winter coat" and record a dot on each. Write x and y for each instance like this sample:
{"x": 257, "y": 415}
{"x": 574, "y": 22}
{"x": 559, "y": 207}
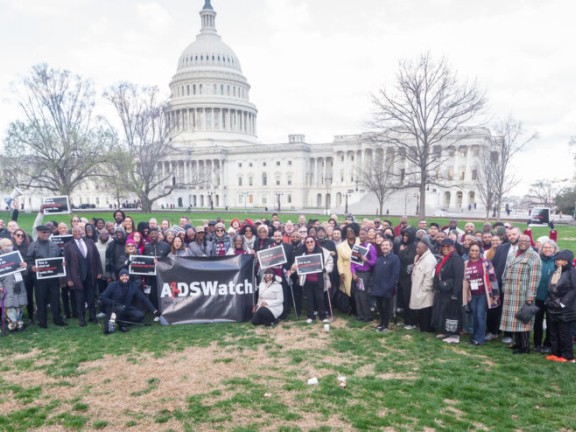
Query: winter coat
{"x": 273, "y": 295}
{"x": 15, "y": 292}
{"x": 422, "y": 295}
{"x": 547, "y": 270}
{"x": 328, "y": 266}
{"x": 561, "y": 301}
{"x": 114, "y": 296}
{"x": 519, "y": 283}
{"x": 385, "y": 276}
{"x": 490, "y": 285}
{"x": 344, "y": 266}
{"x": 451, "y": 275}
{"x": 72, "y": 257}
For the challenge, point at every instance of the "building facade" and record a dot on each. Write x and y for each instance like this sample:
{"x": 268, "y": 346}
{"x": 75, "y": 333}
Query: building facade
{"x": 220, "y": 163}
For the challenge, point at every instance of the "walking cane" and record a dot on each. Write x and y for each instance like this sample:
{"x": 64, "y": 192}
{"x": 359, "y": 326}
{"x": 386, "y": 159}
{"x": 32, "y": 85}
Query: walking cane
{"x": 2, "y": 305}
{"x": 330, "y": 305}
{"x": 291, "y": 285}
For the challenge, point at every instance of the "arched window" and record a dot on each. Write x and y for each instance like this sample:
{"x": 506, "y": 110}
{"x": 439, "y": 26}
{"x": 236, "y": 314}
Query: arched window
{"x": 264, "y": 179}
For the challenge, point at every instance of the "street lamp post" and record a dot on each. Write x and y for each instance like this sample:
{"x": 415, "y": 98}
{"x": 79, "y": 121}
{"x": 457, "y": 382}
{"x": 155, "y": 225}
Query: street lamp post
{"x": 349, "y": 193}
{"x": 278, "y": 195}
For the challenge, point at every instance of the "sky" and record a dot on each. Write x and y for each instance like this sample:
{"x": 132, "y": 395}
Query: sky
{"x": 314, "y": 64}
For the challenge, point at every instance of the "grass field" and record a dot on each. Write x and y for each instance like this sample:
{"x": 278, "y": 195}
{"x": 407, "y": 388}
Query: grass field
{"x": 234, "y": 377}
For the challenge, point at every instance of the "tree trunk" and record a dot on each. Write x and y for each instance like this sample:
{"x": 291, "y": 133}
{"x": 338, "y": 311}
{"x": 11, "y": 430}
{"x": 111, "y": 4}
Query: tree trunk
{"x": 146, "y": 204}
{"x": 422, "y": 204}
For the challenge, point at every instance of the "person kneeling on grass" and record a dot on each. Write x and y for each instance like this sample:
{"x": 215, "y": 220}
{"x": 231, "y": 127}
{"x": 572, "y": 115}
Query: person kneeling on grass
{"x": 270, "y": 300}
{"x": 119, "y": 298}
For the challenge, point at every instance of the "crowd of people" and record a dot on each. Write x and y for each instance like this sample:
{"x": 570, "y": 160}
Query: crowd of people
{"x": 494, "y": 282}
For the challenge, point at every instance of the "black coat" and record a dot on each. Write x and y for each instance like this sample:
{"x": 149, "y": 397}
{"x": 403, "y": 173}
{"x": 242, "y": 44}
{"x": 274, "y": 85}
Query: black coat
{"x": 385, "y": 276}
{"x": 452, "y": 273}
{"x": 561, "y": 301}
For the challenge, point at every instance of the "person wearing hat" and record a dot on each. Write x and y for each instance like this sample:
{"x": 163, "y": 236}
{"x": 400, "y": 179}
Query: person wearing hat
{"x": 448, "y": 279}
{"x": 270, "y": 300}
{"x": 46, "y": 290}
{"x": 121, "y": 298}
{"x": 220, "y": 241}
{"x": 561, "y": 308}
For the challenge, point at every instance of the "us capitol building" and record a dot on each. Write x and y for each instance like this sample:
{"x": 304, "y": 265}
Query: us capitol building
{"x": 220, "y": 163}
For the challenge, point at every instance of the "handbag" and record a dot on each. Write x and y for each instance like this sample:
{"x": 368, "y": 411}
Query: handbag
{"x": 342, "y": 302}
{"x": 526, "y": 313}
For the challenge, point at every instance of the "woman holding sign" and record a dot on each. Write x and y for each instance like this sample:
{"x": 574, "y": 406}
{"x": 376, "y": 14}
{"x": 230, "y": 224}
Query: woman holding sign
{"x": 12, "y": 293}
{"x": 313, "y": 282}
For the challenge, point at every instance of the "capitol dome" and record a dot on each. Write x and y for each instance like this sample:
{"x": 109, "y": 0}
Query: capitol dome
{"x": 209, "y": 93}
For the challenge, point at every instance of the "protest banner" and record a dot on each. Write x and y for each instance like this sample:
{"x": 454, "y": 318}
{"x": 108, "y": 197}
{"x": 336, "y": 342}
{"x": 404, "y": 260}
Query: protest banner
{"x": 308, "y": 264}
{"x": 56, "y": 205}
{"x": 203, "y": 290}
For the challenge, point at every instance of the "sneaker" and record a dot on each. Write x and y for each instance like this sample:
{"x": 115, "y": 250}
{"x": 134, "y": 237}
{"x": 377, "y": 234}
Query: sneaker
{"x": 156, "y": 319}
{"x": 491, "y": 336}
{"x": 452, "y": 339}
{"x": 551, "y": 357}
{"x": 507, "y": 340}
{"x": 571, "y": 361}
{"x": 309, "y": 321}
{"x": 409, "y": 327}
{"x": 382, "y": 329}
{"x": 441, "y": 336}
{"x": 560, "y": 360}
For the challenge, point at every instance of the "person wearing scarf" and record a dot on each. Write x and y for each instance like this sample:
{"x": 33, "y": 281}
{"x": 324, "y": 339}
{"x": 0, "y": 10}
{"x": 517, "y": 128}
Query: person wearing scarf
{"x": 448, "y": 279}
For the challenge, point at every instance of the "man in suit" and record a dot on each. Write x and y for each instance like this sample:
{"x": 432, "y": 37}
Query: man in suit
{"x": 83, "y": 267}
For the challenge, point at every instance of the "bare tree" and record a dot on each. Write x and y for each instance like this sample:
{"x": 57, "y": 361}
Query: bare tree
{"x": 378, "y": 177}
{"x": 508, "y": 139}
{"x": 58, "y": 143}
{"x": 544, "y": 192}
{"x": 146, "y": 137}
{"x": 116, "y": 173}
{"x": 486, "y": 178}
{"x": 422, "y": 112}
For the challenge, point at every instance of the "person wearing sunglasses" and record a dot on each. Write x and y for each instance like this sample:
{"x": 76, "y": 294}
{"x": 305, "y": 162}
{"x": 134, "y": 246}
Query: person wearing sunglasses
{"x": 221, "y": 241}
{"x": 313, "y": 283}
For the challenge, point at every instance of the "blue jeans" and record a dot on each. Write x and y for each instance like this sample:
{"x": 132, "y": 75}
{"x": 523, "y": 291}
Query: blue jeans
{"x": 479, "y": 306}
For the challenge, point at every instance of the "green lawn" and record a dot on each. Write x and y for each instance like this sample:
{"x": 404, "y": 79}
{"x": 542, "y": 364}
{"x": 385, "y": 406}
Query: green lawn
{"x": 234, "y": 377}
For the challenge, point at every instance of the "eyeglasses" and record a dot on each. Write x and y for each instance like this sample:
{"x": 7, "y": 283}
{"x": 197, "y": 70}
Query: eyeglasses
{"x": 303, "y": 232}
{"x": 75, "y": 220}
{"x": 219, "y": 230}
{"x": 19, "y": 235}
{"x": 310, "y": 242}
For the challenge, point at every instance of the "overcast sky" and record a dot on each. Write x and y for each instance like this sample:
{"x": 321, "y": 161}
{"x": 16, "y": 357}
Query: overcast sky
{"x": 313, "y": 64}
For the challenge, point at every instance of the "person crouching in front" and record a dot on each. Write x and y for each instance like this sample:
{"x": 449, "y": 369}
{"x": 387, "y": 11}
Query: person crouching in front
{"x": 270, "y": 301}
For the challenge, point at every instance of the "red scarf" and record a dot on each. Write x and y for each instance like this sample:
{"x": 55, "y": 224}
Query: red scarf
{"x": 439, "y": 266}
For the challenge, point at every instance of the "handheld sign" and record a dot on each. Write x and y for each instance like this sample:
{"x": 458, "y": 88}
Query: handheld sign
{"x": 50, "y": 268}
{"x": 61, "y": 240}
{"x": 308, "y": 264}
{"x": 357, "y": 253}
{"x": 56, "y": 205}
{"x": 10, "y": 263}
{"x": 142, "y": 265}
{"x": 271, "y": 257}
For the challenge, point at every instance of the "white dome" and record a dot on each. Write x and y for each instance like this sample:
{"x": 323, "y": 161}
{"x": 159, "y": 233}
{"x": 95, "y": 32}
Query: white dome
{"x": 208, "y": 50}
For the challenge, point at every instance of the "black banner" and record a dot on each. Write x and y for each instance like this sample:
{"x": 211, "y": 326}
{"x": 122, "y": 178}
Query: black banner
{"x": 10, "y": 263}
{"x": 307, "y": 264}
{"x": 61, "y": 240}
{"x": 49, "y": 268}
{"x": 56, "y": 205}
{"x": 202, "y": 290}
{"x": 271, "y": 257}
{"x": 142, "y": 265}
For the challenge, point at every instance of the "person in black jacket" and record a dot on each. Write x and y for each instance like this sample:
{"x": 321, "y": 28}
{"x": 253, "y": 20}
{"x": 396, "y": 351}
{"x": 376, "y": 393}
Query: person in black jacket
{"x": 561, "y": 308}
{"x": 120, "y": 297}
{"x": 448, "y": 280}
{"x": 159, "y": 249}
{"x": 383, "y": 283}
{"x": 407, "y": 253}
{"x": 46, "y": 290}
